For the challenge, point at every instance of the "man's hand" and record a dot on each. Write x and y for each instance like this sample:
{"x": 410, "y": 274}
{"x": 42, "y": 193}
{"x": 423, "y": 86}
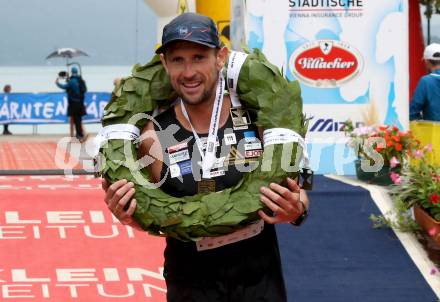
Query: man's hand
{"x": 283, "y": 201}
{"x": 117, "y": 196}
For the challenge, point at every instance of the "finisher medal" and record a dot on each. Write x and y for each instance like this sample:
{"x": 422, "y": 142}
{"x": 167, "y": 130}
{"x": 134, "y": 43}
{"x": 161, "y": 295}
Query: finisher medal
{"x": 206, "y": 186}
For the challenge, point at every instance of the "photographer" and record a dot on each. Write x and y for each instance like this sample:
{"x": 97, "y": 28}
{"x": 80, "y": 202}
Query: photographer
{"x": 75, "y": 88}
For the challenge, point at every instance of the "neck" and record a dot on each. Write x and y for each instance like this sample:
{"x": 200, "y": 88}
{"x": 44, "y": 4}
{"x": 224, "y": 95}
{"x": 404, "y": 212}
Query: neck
{"x": 435, "y": 68}
{"x": 200, "y": 115}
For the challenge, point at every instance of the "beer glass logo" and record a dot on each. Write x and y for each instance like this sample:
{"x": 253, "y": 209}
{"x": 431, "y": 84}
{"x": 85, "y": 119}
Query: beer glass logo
{"x": 325, "y": 63}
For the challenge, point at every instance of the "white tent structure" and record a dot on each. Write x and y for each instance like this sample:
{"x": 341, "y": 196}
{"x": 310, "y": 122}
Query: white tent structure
{"x": 167, "y": 10}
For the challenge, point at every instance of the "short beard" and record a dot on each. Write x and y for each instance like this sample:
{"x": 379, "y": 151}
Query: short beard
{"x": 204, "y": 98}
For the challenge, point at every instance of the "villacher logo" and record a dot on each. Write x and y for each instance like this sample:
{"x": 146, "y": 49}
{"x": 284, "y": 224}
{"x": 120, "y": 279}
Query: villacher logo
{"x": 325, "y": 63}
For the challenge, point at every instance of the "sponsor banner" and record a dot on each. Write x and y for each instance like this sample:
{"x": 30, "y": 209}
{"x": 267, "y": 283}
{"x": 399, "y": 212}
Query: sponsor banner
{"x": 328, "y": 120}
{"x": 325, "y": 63}
{"x": 237, "y": 24}
{"x": 326, "y": 140}
{"x": 60, "y": 243}
{"x": 350, "y": 58}
{"x": 45, "y": 108}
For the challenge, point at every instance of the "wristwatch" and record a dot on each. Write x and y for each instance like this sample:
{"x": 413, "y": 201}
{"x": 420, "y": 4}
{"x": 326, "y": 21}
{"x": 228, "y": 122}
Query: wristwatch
{"x": 300, "y": 220}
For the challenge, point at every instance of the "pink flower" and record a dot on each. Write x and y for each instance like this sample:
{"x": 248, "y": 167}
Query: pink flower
{"x": 394, "y": 162}
{"x": 418, "y": 154}
{"x": 395, "y": 178}
{"x": 428, "y": 147}
{"x": 432, "y": 232}
{"x": 362, "y": 131}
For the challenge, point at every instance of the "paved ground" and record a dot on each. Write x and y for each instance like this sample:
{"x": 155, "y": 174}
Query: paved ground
{"x": 30, "y": 137}
{"x": 44, "y": 152}
{"x": 36, "y": 137}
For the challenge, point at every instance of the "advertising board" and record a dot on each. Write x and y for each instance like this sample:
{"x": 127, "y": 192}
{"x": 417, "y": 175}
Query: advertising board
{"x": 350, "y": 57}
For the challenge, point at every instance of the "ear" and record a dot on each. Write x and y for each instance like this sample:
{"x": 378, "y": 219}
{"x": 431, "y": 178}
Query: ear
{"x": 164, "y": 62}
{"x": 222, "y": 55}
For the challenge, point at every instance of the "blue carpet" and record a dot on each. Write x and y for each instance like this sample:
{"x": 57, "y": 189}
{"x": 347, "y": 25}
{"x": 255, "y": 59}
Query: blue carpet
{"x": 337, "y": 255}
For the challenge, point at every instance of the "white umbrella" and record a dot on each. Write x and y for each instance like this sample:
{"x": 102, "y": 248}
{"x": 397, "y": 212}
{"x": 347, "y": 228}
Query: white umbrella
{"x": 67, "y": 53}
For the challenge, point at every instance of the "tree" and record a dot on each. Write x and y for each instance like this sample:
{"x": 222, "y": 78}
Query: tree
{"x": 432, "y": 6}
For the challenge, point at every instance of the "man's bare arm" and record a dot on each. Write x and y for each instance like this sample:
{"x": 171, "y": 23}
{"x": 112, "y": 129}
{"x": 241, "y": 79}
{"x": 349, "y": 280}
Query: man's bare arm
{"x": 120, "y": 193}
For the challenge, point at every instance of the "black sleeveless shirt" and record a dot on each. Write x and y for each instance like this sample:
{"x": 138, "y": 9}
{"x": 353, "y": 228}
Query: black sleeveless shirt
{"x": 244, "y": 261}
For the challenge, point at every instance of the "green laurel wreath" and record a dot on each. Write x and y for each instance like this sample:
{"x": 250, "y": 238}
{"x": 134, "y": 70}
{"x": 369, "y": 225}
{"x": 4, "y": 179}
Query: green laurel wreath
{"x": 262, "y": 88}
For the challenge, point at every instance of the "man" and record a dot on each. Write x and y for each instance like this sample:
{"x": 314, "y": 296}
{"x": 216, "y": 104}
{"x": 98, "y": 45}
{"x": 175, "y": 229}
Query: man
{"x": 247, "y": 270}
{"x": 425, "y": 103}
{"x": 6, "y": 89}
{"x": 75, "y": 89}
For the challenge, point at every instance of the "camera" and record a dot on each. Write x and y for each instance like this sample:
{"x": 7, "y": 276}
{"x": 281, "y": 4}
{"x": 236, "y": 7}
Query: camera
{"x": 62, "y": 74}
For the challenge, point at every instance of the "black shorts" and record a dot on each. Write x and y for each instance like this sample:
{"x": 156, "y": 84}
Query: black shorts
{"x": 76, "y": 108}
{"x": 270, "y": 288}
{"x": 245, "y": 271}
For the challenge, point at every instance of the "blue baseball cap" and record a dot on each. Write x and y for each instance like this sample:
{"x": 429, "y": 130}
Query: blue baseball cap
{"x": 190, "y": 27}
{"x": 74, "y": 70}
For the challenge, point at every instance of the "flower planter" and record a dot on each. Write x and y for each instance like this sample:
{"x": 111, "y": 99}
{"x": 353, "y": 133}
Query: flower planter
{"x": 360, "y": 174}
{"x": 381, "y": 177}
{"x": 427, "y": 223}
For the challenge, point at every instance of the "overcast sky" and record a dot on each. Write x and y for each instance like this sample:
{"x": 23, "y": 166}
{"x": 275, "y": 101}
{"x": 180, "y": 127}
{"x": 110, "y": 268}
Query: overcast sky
{"x": 112, "y": 32}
